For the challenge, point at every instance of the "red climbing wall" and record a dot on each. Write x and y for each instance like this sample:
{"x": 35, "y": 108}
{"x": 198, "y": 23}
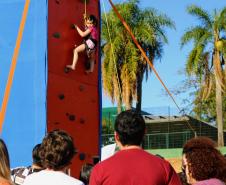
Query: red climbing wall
{"x": 72, "y": 98}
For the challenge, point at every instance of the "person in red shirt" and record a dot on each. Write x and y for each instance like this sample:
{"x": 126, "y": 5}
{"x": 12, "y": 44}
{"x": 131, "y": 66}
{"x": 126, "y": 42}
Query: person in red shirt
{"x": 131, "y": 165}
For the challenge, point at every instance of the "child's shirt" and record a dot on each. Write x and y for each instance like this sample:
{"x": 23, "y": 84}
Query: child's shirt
{"x": 93, "y": 32}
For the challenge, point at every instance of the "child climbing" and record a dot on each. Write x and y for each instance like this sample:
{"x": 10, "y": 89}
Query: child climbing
{"x": 89, "y": 44}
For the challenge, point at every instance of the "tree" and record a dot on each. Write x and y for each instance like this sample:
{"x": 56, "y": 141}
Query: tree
{"x": 123, "y": 67}
{"x": 205, "y": 60}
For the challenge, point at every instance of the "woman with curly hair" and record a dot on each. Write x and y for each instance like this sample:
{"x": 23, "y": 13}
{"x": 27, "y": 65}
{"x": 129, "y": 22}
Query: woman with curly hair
{"x": 203, "y": 163}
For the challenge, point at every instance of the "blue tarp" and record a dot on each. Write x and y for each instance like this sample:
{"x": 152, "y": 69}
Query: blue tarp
{"x": 25, "y": 119}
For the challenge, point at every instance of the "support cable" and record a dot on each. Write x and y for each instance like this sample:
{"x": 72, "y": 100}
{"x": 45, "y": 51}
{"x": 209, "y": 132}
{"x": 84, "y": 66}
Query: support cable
{"x": 112, "y": 49}
{"x": 147, "y": 59}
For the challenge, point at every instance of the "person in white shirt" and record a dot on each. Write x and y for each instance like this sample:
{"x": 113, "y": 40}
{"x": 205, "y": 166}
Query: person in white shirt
{"x": 20, "y": 173}
{"x": 56, "y": 153}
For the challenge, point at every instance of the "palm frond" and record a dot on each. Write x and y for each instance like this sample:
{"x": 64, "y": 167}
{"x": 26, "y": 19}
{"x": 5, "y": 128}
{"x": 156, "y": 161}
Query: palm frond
{"x": 196, "y": 34}
{"x": 122, "y": 61}
{"x": 201, "y": 15}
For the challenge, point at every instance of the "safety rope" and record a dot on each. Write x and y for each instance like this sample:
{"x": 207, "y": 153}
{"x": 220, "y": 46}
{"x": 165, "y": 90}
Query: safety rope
{"x": 85, "y": 8}
{"x": 112, "y": 49}
{"x": 147, "y": 59}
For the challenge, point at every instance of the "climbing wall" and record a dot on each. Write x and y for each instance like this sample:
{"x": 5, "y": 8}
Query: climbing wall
{"x": 73, "y": 98}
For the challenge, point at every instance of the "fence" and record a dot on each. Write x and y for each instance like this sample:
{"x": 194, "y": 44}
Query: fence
{"x": 157, "y": 141}
{"x": 166, "y": 140}
{"x": 107, "y": 139}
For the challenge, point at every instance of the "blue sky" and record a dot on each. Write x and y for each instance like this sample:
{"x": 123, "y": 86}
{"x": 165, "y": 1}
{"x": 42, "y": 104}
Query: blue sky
{"x": 25, "y": 118}
{"x": 174, "y": 58}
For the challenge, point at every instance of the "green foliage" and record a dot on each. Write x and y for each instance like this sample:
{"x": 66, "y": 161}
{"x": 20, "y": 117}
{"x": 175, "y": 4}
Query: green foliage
{"x": 206, "y": 109}
{"x": 205, "y": 36}
{"x": 107, "y": 127}
{"x": 206, "y": 63}
{"x": 122, "y": 60}
{"x": 201, "y": 14}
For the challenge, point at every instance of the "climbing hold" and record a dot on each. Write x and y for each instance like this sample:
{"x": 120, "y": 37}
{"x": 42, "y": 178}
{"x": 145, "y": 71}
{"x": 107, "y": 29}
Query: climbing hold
{"x": 81, "y": 88}
{"x": 66, "y": 69}
{"x": 61, "y": 96}
{"x": 96, "y": 159}
{"x": 82, "y": 156}
{"x": 57, "y": 1}
{"x": 71, "y": 117}
{"x": 56, "y": 35}
{"x": 72, "y": 26}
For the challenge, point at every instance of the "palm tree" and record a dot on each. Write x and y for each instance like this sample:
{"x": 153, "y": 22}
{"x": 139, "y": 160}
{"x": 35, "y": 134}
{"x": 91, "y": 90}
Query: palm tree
{"x": 122, "y": 60}
{"x": 205, "y": 60}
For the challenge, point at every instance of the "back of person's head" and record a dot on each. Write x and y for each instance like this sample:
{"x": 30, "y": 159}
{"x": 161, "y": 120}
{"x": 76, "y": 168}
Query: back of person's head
{"x": 85, "y": 173}
{"x": 183, "y": 179}
{"x": 36, "y": 155}
{"x": 4, "y": 161}
{"x": 92, "y": 19}
{"x": 57, "y": 150}
{"x": 204, "y": 160}
{"x": 130, "y": 127}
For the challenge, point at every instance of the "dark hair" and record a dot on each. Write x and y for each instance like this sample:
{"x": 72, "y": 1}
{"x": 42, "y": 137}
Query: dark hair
{"x": 93, "y": 19}
{"x": 85, "y": 173}
{"x": 36, "y": 155}
{"x": 158, "y": 155}
{"x": 4, "y": 161}
{"x": 130, "y": 127}
{"x": 204, "y": 160}
{"x": 57, "y": 150}
{"x": 183, "y": 178}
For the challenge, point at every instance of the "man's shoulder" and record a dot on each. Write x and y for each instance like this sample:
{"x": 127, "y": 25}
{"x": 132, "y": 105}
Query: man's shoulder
{"x": 19, "y": 174}
{"x": 54, "y": 176}
{"x": 19, "y": 169}
{"x": 73, "y": 181}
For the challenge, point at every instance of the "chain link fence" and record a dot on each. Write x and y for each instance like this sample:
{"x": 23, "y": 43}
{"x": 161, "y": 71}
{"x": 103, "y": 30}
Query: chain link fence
{"x": 157, "y": 141}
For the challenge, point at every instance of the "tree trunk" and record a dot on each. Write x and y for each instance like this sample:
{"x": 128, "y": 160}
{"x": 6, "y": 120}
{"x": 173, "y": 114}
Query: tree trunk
{"x": 139, "y": 91}
{"x": 128, "y": 101}
{"x": 119, "y": 106}
{"x": 219, "y": 112}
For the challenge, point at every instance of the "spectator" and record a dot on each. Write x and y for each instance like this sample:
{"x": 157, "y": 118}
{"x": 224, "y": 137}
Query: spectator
{"x": 131, "y": 164}
{"x": 107, "y": 151}
{"x": 19, "y": 174}
{"x": 5, "y": 177}
{"x": 57, "y": 151}
{"x": 85, "y": 173}
{"x": 202, "y": 163}
{"x": 183, "y": 178}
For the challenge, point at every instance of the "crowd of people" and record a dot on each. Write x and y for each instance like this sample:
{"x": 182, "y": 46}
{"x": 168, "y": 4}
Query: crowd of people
{"x": 202, "y": 162}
